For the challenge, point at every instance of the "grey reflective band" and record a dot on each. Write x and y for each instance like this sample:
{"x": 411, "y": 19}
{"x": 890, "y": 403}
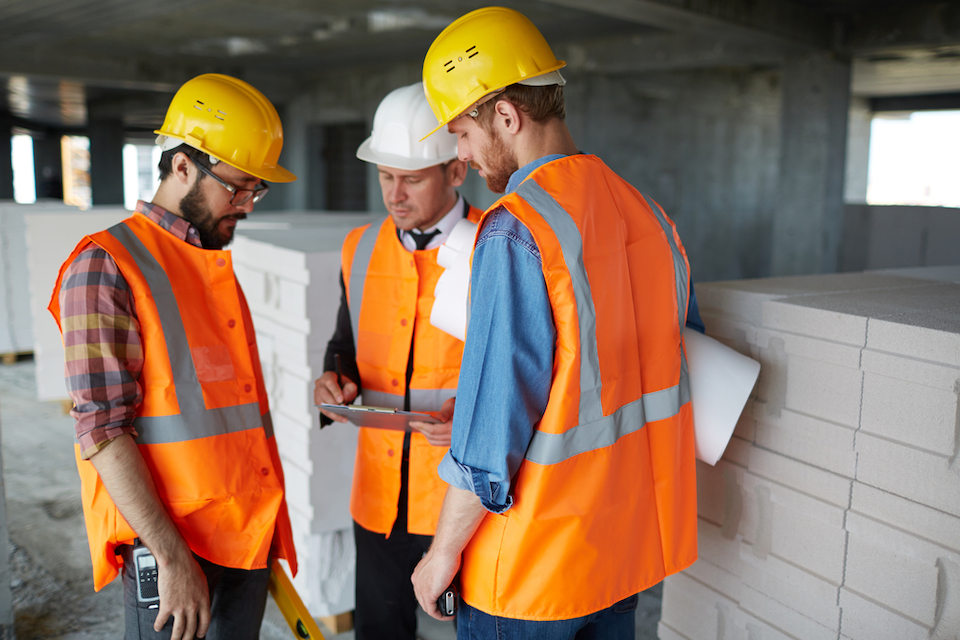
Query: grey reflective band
{"x": 358, "y": 275}
{"x": 420, "y": 399}
{"x": 594, "y": 430}
{"x": 194, "y": 421}
{"x": 553, "y": 448}
{"x": 679, "y": 264}
{"x": 571, "y": 245}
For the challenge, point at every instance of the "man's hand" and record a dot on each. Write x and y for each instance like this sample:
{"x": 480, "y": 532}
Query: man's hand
{"x": 327, "y": 391}
{"x": 438, "y": 433}
{"x": 183, "y": 595}
{"x": 432, "y": 576}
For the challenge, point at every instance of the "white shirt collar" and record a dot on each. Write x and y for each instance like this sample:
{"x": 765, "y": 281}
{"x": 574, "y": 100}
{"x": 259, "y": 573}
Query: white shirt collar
{"x": 445, "y": 225}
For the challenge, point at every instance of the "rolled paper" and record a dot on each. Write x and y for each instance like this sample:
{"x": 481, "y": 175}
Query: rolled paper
{"x": 721, "y": 380}
{"x": 449, "y": 313}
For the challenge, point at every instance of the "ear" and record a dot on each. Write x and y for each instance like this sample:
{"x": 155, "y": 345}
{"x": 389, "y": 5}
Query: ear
{"x": 182, "y": 169}
{"x": 508, "y": 116}
{"x": 456, "y": 173}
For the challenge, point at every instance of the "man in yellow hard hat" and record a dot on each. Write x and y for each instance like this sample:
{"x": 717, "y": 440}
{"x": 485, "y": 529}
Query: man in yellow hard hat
{"x": 571, "y": 466}
{"x": 391, "y": 354}
{"x": 182, "y": 487}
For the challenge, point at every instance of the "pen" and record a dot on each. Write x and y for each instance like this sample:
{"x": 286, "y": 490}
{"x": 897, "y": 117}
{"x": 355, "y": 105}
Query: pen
{"x": 336, "y": 363}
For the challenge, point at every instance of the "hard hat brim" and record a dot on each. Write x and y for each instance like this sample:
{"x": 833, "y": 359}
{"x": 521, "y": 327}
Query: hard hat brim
{"x": 366, "y": 153}
{"x": 275, "y": 174}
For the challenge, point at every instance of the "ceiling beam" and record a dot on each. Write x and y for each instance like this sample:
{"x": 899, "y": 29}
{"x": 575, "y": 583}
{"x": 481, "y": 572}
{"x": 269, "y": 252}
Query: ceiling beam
{"x": 785, "y": 25}
{"x": 928, "y": 25}
{"x": 665, "y": 52}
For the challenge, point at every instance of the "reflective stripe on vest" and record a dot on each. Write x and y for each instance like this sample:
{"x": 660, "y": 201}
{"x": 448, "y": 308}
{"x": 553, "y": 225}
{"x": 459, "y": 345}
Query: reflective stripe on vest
{"x": 594, "y": 430}
{"x": 194, "y": 421}
{"x": 420, "y": 399}
{"x": 358, "y": 276}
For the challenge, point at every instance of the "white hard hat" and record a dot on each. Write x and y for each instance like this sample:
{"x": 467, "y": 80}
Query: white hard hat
{"x": 403, "y": 117}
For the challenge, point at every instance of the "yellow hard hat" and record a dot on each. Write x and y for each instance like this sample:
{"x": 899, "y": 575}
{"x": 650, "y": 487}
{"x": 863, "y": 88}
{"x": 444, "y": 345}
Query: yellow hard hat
{"x": 480, "y": 53}
{"x": 229, "y": 120}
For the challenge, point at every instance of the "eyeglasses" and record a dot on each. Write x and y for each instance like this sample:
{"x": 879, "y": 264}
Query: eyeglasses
{"x": 240, "y": 196}
{"x": 474, "y": 111}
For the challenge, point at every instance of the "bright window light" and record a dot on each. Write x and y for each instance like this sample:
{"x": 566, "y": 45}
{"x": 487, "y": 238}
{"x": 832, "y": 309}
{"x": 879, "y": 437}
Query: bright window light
{"x": 141, "y": 174}
{"x": 915, "y": 159}
{"x": 24, "y": 182}
{"x": 131, "y": 179}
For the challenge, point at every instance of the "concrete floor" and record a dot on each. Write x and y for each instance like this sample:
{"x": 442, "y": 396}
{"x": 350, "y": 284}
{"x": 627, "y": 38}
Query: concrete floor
{"x": 53, "y": 594}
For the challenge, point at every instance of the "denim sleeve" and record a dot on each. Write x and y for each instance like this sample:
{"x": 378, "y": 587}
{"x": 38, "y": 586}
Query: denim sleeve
{"x": 507, "y": 366}
{"x": 694, "y": 321}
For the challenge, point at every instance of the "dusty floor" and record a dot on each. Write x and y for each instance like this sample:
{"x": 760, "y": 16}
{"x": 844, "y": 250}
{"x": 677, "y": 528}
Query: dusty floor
{"x": 53, "y": 594}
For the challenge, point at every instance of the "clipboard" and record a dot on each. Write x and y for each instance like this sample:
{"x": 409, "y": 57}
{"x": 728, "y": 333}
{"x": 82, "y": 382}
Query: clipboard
{"x": 378, "y": 417}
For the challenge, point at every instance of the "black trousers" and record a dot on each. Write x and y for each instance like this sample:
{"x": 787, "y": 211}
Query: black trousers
{"x": 386, "y": 607}
{"x": 238, "y": 598}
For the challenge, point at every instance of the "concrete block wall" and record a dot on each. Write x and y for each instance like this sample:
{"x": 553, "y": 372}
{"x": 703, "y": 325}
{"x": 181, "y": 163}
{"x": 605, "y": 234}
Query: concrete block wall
{"x": 46, "y": 251}
{"x": 16, "y": 335}
{"x": 288, "y": 265}
{"x": 835, "y": 511}
{"x": 898, "y": 236}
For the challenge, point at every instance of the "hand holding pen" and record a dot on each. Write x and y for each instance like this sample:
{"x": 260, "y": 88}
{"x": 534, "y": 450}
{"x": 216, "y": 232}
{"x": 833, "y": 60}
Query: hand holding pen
{"x": 335, "y": 388}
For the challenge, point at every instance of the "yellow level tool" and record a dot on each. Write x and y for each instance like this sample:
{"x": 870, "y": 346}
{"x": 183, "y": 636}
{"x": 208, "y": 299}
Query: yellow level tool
{"x": 291, "y": 606}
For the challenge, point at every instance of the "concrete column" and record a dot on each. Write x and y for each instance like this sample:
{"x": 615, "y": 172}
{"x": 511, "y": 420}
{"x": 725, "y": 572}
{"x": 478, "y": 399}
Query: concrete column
{"x": 858, "y": 151}
{"x": 808, "y": 220}
{"x": 106, "y": 160}
{"x": 6, "y": 159}
{"x": 48, "y": 165}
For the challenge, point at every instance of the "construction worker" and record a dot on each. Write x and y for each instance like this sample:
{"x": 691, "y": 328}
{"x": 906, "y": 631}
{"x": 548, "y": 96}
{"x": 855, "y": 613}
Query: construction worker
{"x": 391, "y": 354}
{"x": 571, "y": 467}
{"x": 182, "y": 487}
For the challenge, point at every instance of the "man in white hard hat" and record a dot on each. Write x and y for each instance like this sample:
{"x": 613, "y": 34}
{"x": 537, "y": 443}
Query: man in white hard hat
{"x": 390, "y": 353}
{"x": 182, "y": 488}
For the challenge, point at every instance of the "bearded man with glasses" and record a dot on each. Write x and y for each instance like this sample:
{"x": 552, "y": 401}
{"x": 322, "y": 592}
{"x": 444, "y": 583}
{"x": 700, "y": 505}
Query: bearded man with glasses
{"x": 182, "y": 487}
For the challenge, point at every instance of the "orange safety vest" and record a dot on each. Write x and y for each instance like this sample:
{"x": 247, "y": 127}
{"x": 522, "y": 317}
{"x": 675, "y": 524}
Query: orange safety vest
{"x": 390, "y": 295}
{"x": 605, "y": 498}
{"x": 204, "y": 425}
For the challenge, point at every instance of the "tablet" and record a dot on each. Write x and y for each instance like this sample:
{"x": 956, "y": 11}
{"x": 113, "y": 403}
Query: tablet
{"x": 379, "y": 417}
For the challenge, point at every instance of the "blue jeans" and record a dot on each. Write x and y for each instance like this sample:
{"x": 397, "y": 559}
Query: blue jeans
{"x": 613, "y": 623}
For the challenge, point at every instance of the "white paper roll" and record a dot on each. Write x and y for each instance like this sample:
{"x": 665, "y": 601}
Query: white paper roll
{"x": 449, "y": 313}
{"x": 721, "y": 380}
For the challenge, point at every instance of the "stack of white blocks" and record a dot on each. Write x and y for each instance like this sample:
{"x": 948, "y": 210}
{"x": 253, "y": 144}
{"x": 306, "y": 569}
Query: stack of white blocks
{"x": 835, "y": 511}
{"x": 51, "y": 231}
{"x": 289, "y": 267}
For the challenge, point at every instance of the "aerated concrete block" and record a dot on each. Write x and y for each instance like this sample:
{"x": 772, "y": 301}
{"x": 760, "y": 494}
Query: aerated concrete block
{"x": 720, "y": 496}
{"x": 862, "y": 619}
{"x": 931, "y": 524}
{"x": 798, "y": 528}
{"x": 828, "y": 487}
{"x": 912, "y": 414}
{"x": 782, "y": 616}
{"x": 826, "y": 391}
{"x": 790, "y": 585}
{"x": 897, "y": 570}
{"x": 790, "y": 315}
{"x": 682, "y": 595}
{"x": 823, "y": 444}
{"x": 922, "y": 372}
{"x": 722, "y": 551}
{"x": 829, "y": 351}
{"x": 917, "y": 475}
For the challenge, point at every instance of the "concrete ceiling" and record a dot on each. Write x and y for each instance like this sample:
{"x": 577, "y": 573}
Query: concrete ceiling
{"x": 63, "y": 62}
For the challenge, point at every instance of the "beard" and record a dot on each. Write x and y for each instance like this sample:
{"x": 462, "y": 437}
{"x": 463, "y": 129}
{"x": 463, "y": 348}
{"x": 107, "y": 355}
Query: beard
{"x": 194, "y": 209}
{"x": 500, "y": 163}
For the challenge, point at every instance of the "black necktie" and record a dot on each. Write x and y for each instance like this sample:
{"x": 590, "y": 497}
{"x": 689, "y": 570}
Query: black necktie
{"x": 423, "y": 239}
